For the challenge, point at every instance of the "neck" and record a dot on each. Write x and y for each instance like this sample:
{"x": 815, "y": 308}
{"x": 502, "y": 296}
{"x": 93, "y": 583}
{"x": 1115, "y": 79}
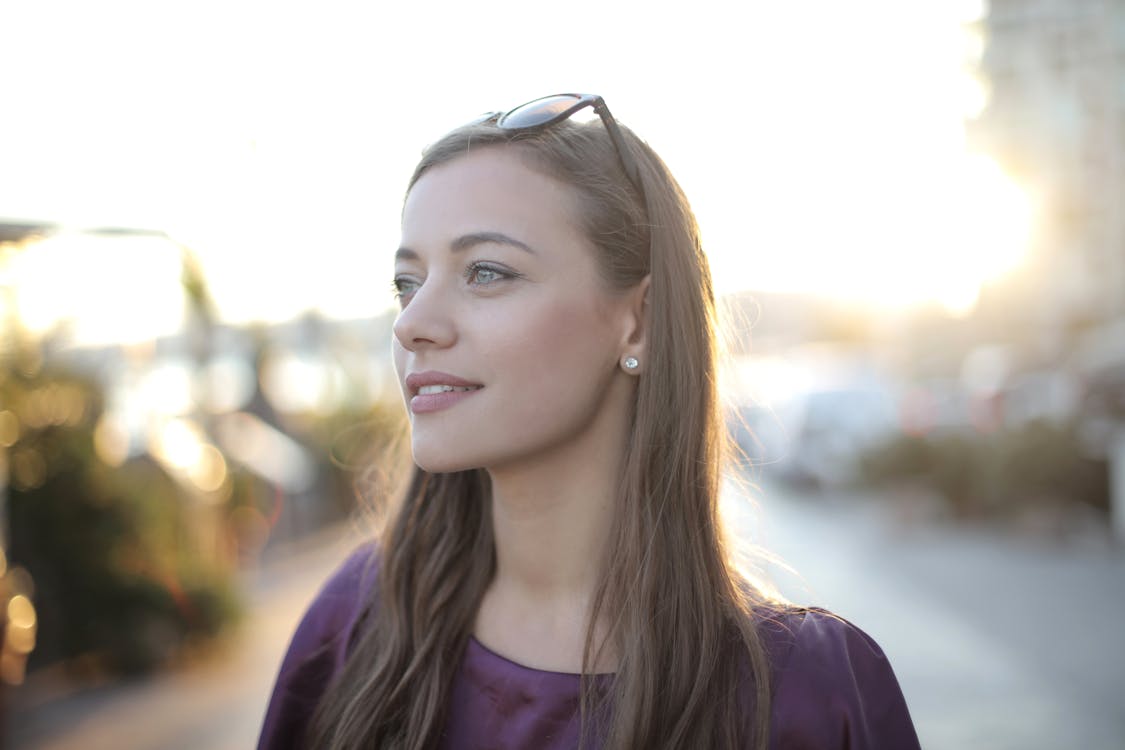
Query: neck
{"x": 552, "y": 511}
{"x": 550, "y": 524}
{"x": 551, "y": 518}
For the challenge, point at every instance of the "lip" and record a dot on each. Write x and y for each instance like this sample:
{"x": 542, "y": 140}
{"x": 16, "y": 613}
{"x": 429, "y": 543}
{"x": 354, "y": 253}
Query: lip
{"x": 437, "y": 401}
{"x": 416, "y": 380}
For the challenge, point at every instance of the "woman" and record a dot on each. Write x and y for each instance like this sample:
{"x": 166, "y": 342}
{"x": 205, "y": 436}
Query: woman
{"x": 555, "y": 575}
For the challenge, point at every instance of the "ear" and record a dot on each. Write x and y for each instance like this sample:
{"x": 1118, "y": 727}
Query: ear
{"x": 635, "y": 321}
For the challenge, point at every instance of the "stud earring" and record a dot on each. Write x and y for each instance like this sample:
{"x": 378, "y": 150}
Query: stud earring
{"x": 631, "y": 363}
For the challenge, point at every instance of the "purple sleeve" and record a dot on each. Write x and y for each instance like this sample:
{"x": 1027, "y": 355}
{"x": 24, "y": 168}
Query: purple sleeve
{"x": 316, "y": 652}
{"x": 836, "y": 690}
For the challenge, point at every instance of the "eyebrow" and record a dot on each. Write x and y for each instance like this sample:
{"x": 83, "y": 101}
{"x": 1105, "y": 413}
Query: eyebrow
{"x": 466, "y": 241}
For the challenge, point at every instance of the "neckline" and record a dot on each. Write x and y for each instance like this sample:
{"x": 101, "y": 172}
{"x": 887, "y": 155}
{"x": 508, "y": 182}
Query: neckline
{"x": 474, "y": 642}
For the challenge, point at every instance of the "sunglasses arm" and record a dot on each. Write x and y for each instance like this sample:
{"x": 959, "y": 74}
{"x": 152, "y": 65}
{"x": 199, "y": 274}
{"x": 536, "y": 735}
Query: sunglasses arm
{"x": 624, "y": 153}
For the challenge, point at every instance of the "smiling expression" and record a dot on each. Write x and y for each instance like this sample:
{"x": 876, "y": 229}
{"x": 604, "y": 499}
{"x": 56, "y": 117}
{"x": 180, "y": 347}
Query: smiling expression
{"x": 508, "y": 339}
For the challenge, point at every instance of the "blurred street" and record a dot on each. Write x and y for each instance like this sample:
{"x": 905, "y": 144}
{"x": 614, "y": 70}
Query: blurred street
{"x": 999, "y": 641}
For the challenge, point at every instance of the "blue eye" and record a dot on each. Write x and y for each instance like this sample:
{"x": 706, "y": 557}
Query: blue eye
{"x": 403, "y": 286}
{"x": 483, "y": 274}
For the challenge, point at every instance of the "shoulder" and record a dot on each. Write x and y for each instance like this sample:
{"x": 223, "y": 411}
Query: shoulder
{"x": 333, "y": 612}
{"x": 347, "y": 589}
{"x": 832, "y": 685}
{"x": 318, "y": 648}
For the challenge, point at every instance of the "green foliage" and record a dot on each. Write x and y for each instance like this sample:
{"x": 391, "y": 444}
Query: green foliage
{"x": 116, "y": 570}
{"x": 997, "y": 473}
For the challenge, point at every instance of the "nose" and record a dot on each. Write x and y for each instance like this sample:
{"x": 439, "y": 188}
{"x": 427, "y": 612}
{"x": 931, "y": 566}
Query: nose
{"x": 427, "y": 320}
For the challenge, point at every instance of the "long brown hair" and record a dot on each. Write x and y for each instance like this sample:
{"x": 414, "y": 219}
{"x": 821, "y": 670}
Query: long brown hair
{"x": 681, "y": 619}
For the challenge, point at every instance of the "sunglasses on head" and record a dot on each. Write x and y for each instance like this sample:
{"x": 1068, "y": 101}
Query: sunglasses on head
{"x": 545, "y": 112}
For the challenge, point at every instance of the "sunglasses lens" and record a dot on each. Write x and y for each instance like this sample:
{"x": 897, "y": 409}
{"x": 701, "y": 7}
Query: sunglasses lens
{"x": 539, "y": 112}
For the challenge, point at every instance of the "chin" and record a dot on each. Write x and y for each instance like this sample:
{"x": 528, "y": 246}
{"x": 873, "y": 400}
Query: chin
{"x": 441, "y": 464}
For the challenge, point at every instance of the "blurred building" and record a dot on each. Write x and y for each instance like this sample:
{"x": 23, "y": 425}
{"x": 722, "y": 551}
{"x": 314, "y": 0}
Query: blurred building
{"x": 1055, "y": 120}
{"x": 1054, "y": 71}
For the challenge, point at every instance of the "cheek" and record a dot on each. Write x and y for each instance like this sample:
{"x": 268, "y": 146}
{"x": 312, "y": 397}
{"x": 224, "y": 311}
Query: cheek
{"x": 558, "y": 346}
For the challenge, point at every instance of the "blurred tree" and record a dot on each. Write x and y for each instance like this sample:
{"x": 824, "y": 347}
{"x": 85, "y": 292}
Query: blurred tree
{"x": 116, "y": 574}
{"x": 1035, "y": 466}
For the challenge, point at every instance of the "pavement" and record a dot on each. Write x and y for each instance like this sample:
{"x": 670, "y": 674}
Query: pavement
{"x": 999, "y": 641}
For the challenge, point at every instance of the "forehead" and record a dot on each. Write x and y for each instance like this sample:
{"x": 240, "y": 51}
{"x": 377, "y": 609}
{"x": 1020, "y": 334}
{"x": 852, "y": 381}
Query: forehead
{"x": 490, "y": 189}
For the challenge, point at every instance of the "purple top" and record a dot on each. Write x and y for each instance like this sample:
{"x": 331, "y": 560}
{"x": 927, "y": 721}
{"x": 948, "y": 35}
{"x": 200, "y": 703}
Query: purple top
{"x": 832, "y": 686}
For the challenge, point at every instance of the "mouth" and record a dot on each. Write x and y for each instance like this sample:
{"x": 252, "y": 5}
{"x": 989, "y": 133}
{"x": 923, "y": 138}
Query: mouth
{"x": 431, "y": 398}
{"x": 431, "y": 382}
{"x": 427, "y": 390}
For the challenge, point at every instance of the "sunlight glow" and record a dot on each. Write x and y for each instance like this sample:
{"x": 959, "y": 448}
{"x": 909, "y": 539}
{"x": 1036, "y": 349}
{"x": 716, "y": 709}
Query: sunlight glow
{"x": 992, "y": 225}
{"x": 893, "y": 235}
{"x": 823, "y": 158}
{"x": 99, "y": 288}
{"x": 998, "y": 216}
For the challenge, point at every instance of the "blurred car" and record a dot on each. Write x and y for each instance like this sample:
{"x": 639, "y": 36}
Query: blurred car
{"x": 829, "y": 429}
{"x": 759, "y": 434}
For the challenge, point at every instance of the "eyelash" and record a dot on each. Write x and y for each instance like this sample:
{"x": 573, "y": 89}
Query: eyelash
{"x": 397, "y": 284}
{"x": 476, "y": 267}
{"x": 400, "y": 285}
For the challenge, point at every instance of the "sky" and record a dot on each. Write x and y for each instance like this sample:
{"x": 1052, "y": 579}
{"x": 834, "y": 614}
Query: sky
{"x": 821, "y": 143}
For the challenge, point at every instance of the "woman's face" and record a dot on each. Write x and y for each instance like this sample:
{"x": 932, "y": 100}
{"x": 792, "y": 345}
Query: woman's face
{"x": 501, "y": 300}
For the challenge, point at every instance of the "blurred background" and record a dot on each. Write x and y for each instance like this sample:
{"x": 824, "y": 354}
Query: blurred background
{"x": 915, "y": 212}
